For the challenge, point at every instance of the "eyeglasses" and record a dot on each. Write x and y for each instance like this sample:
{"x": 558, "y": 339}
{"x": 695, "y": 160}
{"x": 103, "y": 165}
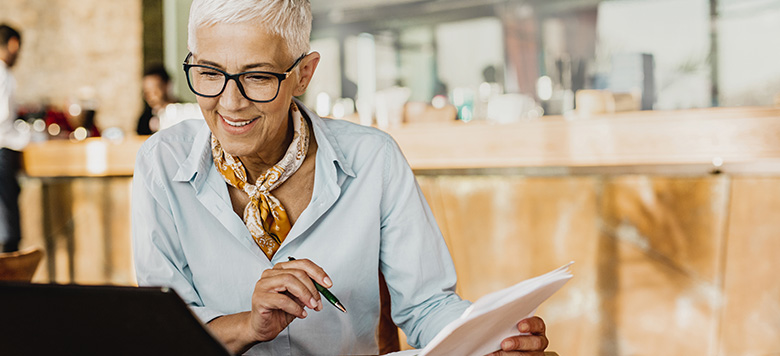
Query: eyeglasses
{"x": 257, "y": 86}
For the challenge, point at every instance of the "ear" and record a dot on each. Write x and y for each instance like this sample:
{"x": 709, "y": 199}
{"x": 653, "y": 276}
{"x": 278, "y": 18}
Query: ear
{"x": 307, "y": 67}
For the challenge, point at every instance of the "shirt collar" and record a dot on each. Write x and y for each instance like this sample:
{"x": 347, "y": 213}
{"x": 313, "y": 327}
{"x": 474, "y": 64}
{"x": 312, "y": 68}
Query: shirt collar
{"x": 328, "y": 145}
{"x": 199, "y": 160}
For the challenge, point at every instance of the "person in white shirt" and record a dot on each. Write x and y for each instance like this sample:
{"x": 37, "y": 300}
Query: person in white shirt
{"x": 12, "y": 141}
{"x": 219, "y": 206}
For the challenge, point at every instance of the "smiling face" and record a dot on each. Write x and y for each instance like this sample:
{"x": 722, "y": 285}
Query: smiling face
{"x": 243, "y": 127}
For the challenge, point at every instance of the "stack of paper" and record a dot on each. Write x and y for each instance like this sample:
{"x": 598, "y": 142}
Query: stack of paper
{"x": 494, "y": 317}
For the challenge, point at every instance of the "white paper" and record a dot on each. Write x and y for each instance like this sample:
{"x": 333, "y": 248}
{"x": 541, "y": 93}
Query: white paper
{"x": 414, "y": 352}
{"x": 494, "y": 317}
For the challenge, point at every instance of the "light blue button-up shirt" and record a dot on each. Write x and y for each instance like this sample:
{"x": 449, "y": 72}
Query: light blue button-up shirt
{"x": 367, "y": 213}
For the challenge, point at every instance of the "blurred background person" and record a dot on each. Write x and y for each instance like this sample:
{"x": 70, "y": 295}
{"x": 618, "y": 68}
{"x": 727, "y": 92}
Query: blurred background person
{"x": 12, "y": 141}
{"x": 157, "y": 95}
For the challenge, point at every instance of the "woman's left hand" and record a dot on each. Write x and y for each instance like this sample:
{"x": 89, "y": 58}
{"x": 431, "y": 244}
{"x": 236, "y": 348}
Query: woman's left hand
{"x": 531, "y": 340}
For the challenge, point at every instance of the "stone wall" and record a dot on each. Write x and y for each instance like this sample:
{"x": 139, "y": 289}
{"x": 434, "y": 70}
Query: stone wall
{"x": 73, "y": 47}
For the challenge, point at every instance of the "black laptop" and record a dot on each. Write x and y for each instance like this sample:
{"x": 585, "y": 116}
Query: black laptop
{"x": 49, "y": 319}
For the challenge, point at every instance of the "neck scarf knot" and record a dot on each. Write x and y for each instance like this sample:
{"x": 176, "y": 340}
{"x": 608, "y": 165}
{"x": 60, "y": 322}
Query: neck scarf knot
{"x": 264, "y": 215}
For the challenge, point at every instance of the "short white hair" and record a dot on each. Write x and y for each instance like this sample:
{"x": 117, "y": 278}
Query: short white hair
{"x": 289, "y": 19}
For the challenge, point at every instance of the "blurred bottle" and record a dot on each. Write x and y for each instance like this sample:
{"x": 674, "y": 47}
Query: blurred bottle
{"x": 463, "y": 99}
{"x": 89, "y": 123}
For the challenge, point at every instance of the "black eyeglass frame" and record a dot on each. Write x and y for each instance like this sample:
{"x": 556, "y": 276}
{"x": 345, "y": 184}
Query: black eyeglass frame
{"x": 234, "y": 77}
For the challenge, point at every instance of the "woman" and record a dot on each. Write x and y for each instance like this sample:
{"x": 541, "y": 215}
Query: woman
{"x": 219, "y": 207}
{"x": 156, "y": 85}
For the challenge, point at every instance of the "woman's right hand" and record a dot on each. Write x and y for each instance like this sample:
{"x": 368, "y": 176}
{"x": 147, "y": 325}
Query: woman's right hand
{"x": 279, "y": 297}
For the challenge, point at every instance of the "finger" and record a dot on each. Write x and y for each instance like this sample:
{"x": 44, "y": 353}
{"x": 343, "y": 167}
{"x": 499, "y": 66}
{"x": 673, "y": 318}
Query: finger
{"x": 517, "y": 353}
{"x": 314, "y": 271}
{"x": 299, "y": 274}
{"x": 279, "y": 301}
{"x": 525, "y": 343}
{"x": 294, "y": 299}
{"x": 533, "y": 325}
{"x": 296, "y": 282}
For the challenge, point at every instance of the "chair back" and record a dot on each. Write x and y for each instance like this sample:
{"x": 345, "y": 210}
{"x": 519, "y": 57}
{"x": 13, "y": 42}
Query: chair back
{"x": 387, "y": 331}
{"x": 20, "y": 265}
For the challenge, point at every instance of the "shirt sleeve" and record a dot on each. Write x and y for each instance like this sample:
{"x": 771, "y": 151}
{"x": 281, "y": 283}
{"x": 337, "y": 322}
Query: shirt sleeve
{"x": 157, "y": 251}
{"x": 5, "y": 98}
{"x": 414, "y": 257}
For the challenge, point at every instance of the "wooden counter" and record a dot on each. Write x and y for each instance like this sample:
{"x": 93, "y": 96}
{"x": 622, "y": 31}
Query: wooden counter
{"x": 729, "y": 136}
{"x": 733, "y": 135}
{"x": 93, "y": 157}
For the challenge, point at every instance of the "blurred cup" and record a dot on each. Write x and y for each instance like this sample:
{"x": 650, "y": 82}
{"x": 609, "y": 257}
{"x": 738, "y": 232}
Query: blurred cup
{"x": 365, "y": 109}
{"x": 390, "y": 106}
{"x": 594, "y": 102}
{"x": 343, "y": 107}
{"x": 508, "y": 108}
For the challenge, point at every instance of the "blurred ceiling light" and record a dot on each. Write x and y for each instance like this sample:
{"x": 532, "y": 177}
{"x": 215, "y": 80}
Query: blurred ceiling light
{"x": 544, "y": 88}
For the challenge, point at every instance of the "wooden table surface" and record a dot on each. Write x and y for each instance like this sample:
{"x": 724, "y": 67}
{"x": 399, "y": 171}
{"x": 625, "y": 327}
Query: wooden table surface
{"x": 731, "y": 135}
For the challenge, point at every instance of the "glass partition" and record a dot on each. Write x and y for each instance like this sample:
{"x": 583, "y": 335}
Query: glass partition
{"x": 647, "y": 54}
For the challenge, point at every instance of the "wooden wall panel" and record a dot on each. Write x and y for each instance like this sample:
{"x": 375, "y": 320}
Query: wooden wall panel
{"x": 648, "y": 253}
{"x": 680, "y": 220}
{"x": 84, "y": 226}
{"x": 668, "y": 236}
{"x": 751, "y": 310}
{"x": 664, "y": 265}
{"x": 502, "y": 230}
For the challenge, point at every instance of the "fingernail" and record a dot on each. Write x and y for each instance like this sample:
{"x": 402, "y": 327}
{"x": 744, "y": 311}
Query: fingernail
{"x": 505, "y": 345}
{"x": 524, "y": 328}
{"x": 327, "y": 281}
{"x": 313, "y": 303}
{"x": 305, "y": 314}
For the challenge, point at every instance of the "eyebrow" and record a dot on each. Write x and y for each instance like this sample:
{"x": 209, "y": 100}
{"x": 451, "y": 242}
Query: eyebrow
{"x": 261, "y": 65}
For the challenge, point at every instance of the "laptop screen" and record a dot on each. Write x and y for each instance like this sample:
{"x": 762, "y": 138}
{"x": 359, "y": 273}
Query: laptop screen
{"x": 49, "y": 319}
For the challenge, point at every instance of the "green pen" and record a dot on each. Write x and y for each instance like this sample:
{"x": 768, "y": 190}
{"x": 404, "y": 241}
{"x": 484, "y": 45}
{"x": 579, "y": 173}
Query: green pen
{"x": 326, "y": 293}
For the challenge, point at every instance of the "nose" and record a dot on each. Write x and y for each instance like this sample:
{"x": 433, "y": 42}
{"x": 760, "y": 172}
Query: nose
{"x": 231, "y": 98}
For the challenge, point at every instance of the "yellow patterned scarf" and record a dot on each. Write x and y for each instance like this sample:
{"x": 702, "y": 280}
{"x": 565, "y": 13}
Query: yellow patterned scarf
{"x": 264, "y": 216}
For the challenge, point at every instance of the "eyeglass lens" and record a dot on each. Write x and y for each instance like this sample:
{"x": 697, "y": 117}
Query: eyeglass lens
{"x": 257, "y": 86}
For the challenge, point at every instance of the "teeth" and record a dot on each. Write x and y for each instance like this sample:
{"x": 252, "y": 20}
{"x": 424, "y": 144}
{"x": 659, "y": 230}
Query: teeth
{"x": 237, "y": 123}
